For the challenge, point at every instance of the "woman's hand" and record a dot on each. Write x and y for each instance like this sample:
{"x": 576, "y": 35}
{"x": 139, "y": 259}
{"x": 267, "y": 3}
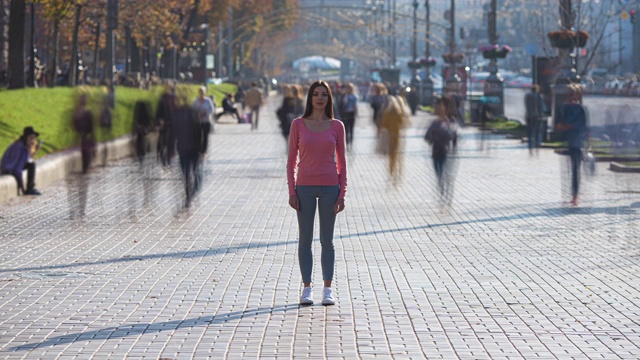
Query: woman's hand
{"x": 293, "y": 202}
{"x": 339, "y": 206}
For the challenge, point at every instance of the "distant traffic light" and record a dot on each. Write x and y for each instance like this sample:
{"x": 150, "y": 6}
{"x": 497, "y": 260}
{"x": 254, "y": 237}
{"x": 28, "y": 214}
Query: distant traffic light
{"x": 632, "y": 15}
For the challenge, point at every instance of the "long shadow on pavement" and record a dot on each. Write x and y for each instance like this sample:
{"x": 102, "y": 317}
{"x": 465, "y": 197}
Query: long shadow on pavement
{"x": 180, "y": 254}
{"x": 125, "y": 330}
{"x": 561, "y": 211}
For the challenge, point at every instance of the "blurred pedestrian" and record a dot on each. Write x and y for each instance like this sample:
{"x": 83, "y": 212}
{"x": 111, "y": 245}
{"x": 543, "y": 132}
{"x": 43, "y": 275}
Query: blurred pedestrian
{"x": 253, "y": 99}
{"x": 534, "y": 115}
{"x": 240, "y": 95}
{"x": 377, "y": 101}
{"x": 205, "y": 110}
{"x": 349, "y": 111}
{"x": 19, "y": 157}
{"x": 318, "y": 179}
{"x": 164, "y": 118}
{"x": 394, "y": 119}
{"x": 141, "y": 126}
{"x": 411, "y": 95}
{"x": 83, "y": 124}
{"x": 573, "y": 125}
{"x": 440, "y": 135}
{"x": 298, "y": 96}
{"x": 189, "y": 142}
{"x": 106, "y": 122}
{"x": 287, "y": 111}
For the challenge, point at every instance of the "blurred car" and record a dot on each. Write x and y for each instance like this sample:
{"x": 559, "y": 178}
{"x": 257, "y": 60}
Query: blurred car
{"x": 520, "y": 82}
{"x": 477, "y": 80}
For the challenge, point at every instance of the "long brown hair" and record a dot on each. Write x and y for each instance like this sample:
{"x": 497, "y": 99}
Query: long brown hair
{"x": 328, "y": 110}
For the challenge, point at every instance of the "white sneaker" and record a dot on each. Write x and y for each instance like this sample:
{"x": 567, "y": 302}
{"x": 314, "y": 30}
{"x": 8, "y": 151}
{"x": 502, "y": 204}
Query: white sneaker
{"x": 307, "y": 296}
{"x": 328, "y": 299}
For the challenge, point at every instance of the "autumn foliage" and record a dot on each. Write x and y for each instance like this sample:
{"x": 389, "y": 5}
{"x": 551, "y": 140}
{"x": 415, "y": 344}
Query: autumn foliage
{"x": 155, "y": 26}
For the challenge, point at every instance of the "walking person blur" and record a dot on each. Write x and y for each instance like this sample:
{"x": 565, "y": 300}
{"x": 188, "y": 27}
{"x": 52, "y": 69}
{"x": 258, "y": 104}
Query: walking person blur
{"x": 349, "y": 111}
{"x": 141, "y": 126}
{"x": 573, "y": 125}
{"x": 82, "y": 121}
{"x": 317, "y": 179}
{"x": 534, "y": 112}
{"x": 394, "y": 119}
{"x": 19, "y": 157}
{"x": 440, "y": 136}
{"x": 286, "y": 111}
{"x": 106, "y": 122}
{"x": 189, "y": 142}
{"x": 253, "y": 99}
{"x": 298, "y": 98}
{"x": 164, "y": 118}
{"x": 205, "y": 110}
{"x": 378, "y": 100}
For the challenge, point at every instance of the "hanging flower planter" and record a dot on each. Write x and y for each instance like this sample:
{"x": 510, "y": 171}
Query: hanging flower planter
{"x": 494, "y": 51}
{"x": 452, "y": 58}
{"x": 568, "y": 39}
{"x": 428, "y": 62}
{"x": 414, "y": 65}
{"x": 581, "y": 38}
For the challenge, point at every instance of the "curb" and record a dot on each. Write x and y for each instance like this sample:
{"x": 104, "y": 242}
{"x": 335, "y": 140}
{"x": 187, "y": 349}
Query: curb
{"x": 617, "y": 167}
{"x": 53, "y": 168}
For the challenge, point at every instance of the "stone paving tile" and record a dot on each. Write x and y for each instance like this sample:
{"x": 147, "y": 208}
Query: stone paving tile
{"x": 111, "y": 265}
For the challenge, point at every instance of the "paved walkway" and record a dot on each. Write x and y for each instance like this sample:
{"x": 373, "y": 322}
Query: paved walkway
{"x": 110, "y": 265}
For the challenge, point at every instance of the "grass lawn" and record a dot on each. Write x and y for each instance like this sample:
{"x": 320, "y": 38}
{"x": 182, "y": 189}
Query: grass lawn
{"x": 507, "y": 126}
{"x": 49, "y": 111}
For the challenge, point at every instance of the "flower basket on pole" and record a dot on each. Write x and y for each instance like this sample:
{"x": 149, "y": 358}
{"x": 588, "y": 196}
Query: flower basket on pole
{"x": 494, "y": 51}
{"x": 452, "y": 58}
{"x": 568, "y": 39}
{"x": 414, "y": 65}
{"x": 428, "y": 62}
{"x": 581, "y": 38}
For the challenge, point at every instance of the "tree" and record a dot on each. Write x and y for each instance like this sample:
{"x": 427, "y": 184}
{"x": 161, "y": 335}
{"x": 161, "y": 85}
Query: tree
{"x": 17, "y": 16}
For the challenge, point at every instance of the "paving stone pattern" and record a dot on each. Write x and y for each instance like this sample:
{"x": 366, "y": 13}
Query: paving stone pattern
{"x": 110, "y": 265}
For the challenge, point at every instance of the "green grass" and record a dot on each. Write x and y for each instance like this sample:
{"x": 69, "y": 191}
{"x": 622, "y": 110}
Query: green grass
{"x": 503, "y": 125}
{"x": 49, "y": 111}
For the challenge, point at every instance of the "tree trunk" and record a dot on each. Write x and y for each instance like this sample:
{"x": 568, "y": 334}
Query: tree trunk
{"x": 4, "y": 36}
{"x": 54, "y": 63}
{"x": 96, "y": 54}
{"x": 17, "y": 19}
{"x": 73, "y": 73}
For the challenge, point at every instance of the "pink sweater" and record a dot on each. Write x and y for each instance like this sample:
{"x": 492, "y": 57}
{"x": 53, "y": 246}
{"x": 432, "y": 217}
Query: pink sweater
{"x": 322, "y": 157}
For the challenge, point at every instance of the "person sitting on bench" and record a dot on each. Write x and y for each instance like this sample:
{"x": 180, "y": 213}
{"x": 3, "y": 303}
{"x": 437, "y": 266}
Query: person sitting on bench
{"x": 18, "y": 157}
{"x": 228, "y": 108}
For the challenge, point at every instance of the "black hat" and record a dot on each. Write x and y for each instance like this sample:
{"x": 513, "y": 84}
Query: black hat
{"x": 29, "y": 131}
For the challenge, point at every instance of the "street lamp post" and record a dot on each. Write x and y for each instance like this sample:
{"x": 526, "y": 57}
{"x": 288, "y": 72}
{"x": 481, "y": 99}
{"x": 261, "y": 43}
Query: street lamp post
{"x": 567, "y": 74}
{"x": 112, "y": 23}
{"x": 427, "y": 83}
{"x": 494, "y": 85}
{"x": 453, "y": 79}
{"x": 32, "y": 61}
{"x": 414, "y": 44}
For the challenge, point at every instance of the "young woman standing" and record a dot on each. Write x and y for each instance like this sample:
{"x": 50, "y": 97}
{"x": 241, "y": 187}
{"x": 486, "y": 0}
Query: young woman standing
{"x": 318, "y": 179}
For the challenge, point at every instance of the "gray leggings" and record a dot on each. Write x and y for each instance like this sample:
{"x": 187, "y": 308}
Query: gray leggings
{"x": 324, "y": 197}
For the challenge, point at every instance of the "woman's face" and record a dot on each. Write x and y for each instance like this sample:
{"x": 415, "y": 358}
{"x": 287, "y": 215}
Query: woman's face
{"x": 31, "y": 140}
{"x": 319, "y": 98}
